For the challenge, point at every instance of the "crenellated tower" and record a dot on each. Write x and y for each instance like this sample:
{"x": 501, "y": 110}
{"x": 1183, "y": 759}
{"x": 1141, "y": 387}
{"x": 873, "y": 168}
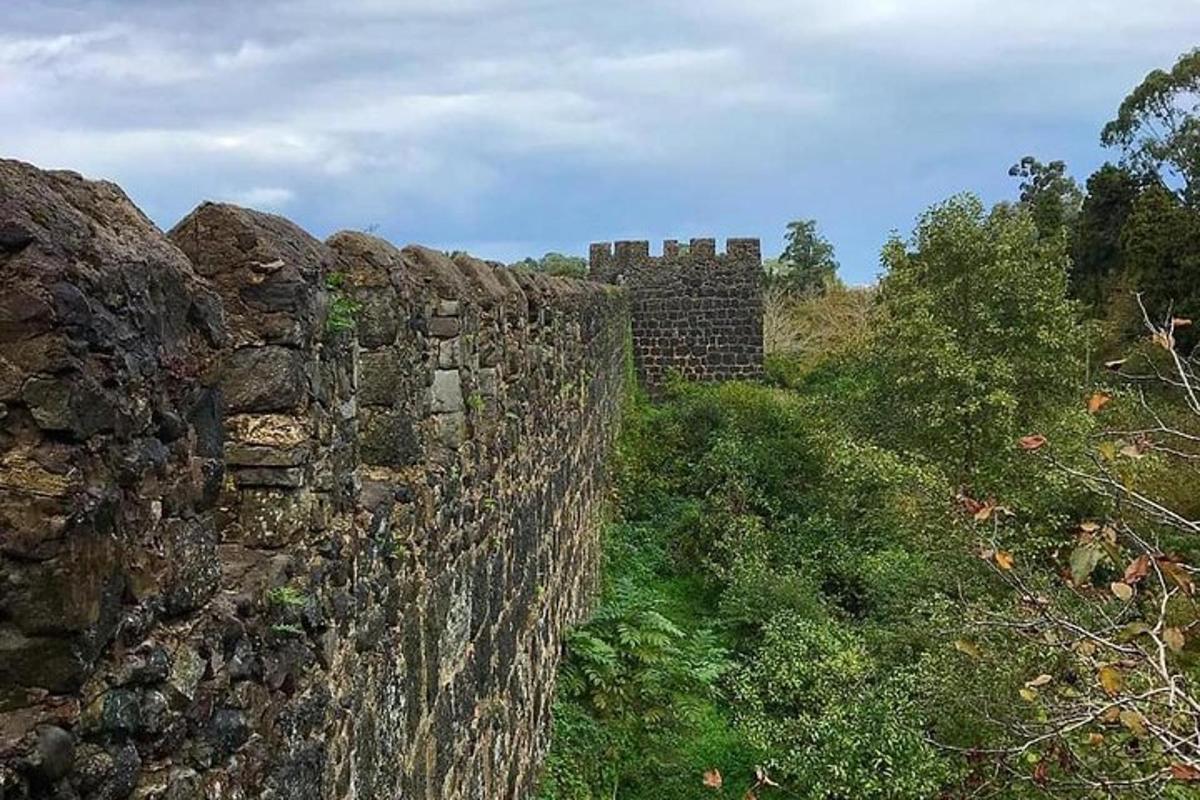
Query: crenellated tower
{"x": 695, "y": 311}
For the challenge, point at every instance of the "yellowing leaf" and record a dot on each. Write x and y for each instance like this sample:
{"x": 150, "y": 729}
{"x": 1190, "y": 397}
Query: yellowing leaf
{"x": 1131, "y": 631}
{"x": 1110, "y": 679}
{"x": 712, "y": 779}
{"x": 1095, "y": 739}
{"x": 1123, "y": 591}
{"x": 1032, "y": 442}
{"x": 1028, "y": 695}
{"x": 1107, "y": 450}
{"x": 1097, "y": 402}
{"x": 968, "y": 647}
{"x": 1174, "y": 639}
{"x": 1083, "y": 561}
{"x": 1132, "y": 720}
{"x": 1004, "y": 559}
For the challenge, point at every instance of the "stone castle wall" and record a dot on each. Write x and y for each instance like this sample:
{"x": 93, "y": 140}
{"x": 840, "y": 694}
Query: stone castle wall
{"x": 697, "y": 313}
{"x": 282, "y": 518}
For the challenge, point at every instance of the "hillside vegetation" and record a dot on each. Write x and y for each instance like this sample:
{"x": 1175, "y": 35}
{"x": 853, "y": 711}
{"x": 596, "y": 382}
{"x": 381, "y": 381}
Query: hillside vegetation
{"x": 947, "y": 549}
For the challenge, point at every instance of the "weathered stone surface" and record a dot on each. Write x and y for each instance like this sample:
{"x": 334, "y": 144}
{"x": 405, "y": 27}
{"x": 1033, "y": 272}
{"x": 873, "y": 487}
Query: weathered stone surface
{"x": 264, "y": 379}
{"x": 446, "y": 396}
{"x": 247, "y": 553}
{"x": 106, "y": 527}
{"x": 696, "y": 313}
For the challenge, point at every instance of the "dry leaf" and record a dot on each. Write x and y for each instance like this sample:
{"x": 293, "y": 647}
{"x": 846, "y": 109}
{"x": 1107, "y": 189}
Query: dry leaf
{"x": 1134, "y": 450}
{"x": 1032, "y": 442}
{"x": 1089, "y": 527}
{"x": 1174, "y": 639}
{"x": 1097, "y": 401}
{"x": 985, "y": 511}
{"x": 1115, "y": 364}
{"x": 1179, "y": 322}
{"x": 763, "y": 779}
{"x": 1004, "y": 559}
{"x": 1185, "y": 772}
{"x": 1123, "y": 591}
{"x": 1178, "y": 575}
{"x": 1095, "y": 739}
{"x": 1040, "y": 680}
{"x": 712, "y": 779}
{"x": 1163, "y": 340}
{"x": 1110, "y": 679}
{"x": 1110, "y": 714}
{"x": 1137, "y": 569}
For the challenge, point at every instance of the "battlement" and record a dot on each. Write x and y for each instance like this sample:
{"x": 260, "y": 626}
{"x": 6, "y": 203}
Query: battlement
{"x": 696, "y": 312}
{"x": 614, "y": 258}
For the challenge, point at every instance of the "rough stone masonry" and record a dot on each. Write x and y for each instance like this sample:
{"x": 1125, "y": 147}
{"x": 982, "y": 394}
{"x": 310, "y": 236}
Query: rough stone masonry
{"x": 282, "y": 518}
{"x": 697, "y": 313}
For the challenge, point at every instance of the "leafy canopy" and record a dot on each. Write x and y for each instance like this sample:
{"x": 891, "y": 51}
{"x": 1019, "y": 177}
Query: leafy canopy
{"x": 1158, "y": 128}
{"x": 978, "y": 336}
{"x": 807, "y": 264}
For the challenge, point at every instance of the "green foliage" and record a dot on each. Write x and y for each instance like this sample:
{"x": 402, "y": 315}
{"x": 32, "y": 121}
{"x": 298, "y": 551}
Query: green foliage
{"x": 287, "y": 596}
{"x": 833, "y": 721}
{"x": 744, "y": 507}
{"x": 1158, "y": 129}
{"x": 556, "y": 264}
{"x": 1051, "y": 196}
{"x": 978, "y": 337}
{"x": 342, "y": 309}
{"x": 1161, "y": 246}
{"x": 807, "y": 264}
{"x": 1097, "y": 253}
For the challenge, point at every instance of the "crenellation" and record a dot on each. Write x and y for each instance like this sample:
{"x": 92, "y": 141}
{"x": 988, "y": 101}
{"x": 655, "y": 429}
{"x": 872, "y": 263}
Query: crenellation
{"x": 696, "y": 312}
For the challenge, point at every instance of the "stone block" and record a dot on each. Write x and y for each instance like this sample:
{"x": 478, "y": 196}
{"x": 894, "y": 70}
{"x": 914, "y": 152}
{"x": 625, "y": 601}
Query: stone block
{"x": 262, "y": 379}
{"x": 444, "y": 327}
{"x": 446, "y": 395}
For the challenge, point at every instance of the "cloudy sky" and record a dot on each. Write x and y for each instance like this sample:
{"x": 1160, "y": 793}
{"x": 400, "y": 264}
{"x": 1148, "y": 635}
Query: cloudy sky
{"x": 514, "y": 127}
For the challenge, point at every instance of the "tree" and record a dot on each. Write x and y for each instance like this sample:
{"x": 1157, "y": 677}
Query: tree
{"x": 1051, "y": 195}
{"x": 1097, "y": 255}
{"x": 807, "y": 264}
{"x": 1161, "y": 245}
{"x": 1109, "y": 706}
{"x": 976, "y": 340}
{"x": 1158, "y": 129}
{"x": 556, "y": 264}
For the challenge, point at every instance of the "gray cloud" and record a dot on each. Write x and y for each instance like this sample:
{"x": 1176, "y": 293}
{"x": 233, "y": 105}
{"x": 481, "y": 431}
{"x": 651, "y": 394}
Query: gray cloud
{"x": 539, "y": 123}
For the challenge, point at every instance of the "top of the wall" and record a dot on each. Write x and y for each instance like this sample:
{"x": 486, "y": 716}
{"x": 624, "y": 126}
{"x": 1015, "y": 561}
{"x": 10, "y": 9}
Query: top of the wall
{"x": 607, "y": 258}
